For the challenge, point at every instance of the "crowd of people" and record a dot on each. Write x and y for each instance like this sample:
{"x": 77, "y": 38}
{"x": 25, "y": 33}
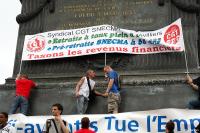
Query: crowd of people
{"x": 84, "y": 92}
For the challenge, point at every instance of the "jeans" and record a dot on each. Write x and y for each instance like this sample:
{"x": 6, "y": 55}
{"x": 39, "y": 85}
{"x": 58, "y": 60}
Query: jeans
{"x": 22, "y": 103}
{"x": 82, "y": 104}
{"x": 194, "y": 104}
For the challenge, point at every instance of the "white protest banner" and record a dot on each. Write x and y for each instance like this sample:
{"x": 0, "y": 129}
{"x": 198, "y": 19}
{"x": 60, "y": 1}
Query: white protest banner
{"x": 152, "y": 121}
{"x": 102, "y": 39}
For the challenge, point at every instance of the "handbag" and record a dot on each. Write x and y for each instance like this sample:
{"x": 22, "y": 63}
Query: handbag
{"x": 92, "y": 95}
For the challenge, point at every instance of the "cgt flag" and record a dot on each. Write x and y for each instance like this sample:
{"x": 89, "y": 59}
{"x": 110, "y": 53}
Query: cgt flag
{"x": 102, "y": 39}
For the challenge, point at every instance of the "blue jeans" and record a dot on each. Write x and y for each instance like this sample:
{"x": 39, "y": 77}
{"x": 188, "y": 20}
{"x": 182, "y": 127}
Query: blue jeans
{"x": 19, "y": 102}
{"x": 82, "y": 104}
{"x": 194, "y": 104}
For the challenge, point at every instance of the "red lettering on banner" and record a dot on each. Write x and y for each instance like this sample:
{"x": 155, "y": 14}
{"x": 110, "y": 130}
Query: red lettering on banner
{"x": 30, "y": 56}
{"x": 155, "y": 49}
{"x": 41, "y": 56}
{"x": 73, "y": 53}
{"x": 44, "y": 56}
{"x": 135, "y": 49}
{"x": 106, "y": 49}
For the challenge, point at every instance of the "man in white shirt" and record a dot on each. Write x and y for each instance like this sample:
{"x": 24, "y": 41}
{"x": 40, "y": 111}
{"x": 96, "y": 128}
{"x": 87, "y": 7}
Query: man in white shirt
{"x": 82, "y": 91}
{"x": 4, "y": 126}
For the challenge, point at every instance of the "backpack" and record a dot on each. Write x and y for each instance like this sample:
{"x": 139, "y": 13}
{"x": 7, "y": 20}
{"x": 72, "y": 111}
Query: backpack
{"x": 92, "y": 95}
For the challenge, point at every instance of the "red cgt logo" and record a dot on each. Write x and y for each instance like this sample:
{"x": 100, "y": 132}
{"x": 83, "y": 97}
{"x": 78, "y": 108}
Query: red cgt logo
{"x": 36, "y": 44}
{"x": 172, "y": 34}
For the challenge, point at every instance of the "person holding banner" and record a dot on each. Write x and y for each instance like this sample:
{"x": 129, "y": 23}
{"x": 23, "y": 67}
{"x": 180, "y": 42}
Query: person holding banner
{"x": 56, "y": 125}
{"x": 112, "y": 91}
{"x": 84, "y": 90}
{"x": 4, "y": 126}
{"x": 194, "y": 83}
{"x": 23, "y": 88}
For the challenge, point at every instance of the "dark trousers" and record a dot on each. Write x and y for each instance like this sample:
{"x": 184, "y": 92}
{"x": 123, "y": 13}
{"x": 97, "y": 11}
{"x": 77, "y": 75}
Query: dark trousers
{"x": 194, "y": 104}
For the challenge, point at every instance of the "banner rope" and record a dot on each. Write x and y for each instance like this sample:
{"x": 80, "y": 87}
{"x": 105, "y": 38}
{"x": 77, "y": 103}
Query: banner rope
{"x": 186, "y": 62}
{"x": 20, "y": 68}
{"x": 105, "y": 59}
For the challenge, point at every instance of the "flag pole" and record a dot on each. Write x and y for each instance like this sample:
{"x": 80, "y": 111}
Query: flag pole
{"x": 20, "y": 67}
{"x": 186, "y": 62}
{"x": 105, "y": 59}
{"x": 185, "y": 54}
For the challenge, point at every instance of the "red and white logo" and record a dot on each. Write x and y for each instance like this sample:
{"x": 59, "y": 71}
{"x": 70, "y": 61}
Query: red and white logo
{"x": 36, "y": 44}
{"x": 172, "y": 34}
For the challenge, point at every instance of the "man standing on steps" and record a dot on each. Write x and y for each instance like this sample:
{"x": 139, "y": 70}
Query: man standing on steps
{"x": 112, "y": 91}
{"x": 23, "y": 88}
{"x": 83, "y": 89}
